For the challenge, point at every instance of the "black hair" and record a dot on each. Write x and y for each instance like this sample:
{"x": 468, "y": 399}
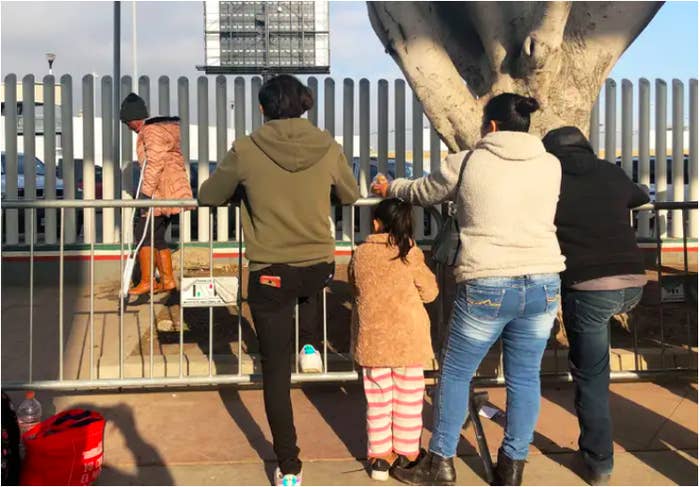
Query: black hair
{"x": 285, "y": 96}
{"x": 396, "y": 217}
{"x": 510, "y": 111}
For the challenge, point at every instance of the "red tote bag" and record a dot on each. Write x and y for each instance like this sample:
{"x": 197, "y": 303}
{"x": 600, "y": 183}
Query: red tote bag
{"x": 66, "y": 449}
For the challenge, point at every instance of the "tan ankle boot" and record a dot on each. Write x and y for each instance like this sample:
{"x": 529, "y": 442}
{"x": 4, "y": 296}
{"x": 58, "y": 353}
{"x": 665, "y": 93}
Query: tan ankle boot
{"x": 165, "y": 268}
{"x": 144, "y": 286}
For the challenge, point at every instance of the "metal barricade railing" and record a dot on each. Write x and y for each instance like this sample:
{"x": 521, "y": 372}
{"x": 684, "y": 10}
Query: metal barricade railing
{"x": 149, "y": 380}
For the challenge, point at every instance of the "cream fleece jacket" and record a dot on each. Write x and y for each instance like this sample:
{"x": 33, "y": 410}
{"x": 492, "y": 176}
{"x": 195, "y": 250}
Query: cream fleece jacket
{"x": 505, "y": 205}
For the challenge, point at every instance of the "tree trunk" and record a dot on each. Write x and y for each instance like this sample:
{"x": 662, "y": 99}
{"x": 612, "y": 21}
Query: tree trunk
{"x": 457, "y": 55}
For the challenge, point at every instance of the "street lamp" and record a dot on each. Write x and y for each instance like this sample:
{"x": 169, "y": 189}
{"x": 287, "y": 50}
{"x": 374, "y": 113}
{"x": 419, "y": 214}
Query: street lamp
{"x": 50, "y": 57}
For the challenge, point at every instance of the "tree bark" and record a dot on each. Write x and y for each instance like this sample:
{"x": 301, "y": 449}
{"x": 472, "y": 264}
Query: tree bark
{"x": 457, "y": 55}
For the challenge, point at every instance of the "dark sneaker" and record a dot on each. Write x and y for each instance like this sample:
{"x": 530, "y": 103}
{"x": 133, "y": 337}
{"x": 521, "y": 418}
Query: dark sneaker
{"x": 379, "y": 469}
{"x": 428, "y": 469}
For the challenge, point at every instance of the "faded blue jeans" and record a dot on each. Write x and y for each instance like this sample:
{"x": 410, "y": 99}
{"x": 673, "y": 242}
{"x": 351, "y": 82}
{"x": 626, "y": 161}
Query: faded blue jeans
{"x": 520, "y": 309}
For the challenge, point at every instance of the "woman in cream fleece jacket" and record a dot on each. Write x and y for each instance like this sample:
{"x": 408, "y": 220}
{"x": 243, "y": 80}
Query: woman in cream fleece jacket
{"x": 508, "y": 274}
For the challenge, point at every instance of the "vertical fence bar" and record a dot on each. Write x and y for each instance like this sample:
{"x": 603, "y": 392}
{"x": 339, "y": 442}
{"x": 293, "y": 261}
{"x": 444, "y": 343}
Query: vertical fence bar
{"x": 117, "y": 97}
{"x": 144, "y": 88}
{"x": 164, "y": 111}
{"x": 660, "y": 153}
{"x": 239, "y": 298}
{"x": 11, "y": 169}
{"x": 211, "y": 280}
{"x": 108, "y": 163}
{"x": 594, "y": 128}
{"x": 400, "y": 127}
{"x": 329, "y": 124}
{"x": 49, "y": 157}
{"x": 93, "y": 237}
{"x": 296, "y": 337}
{"x": 434, "y": 165}
{"x": 122, "y": 298}
{"x": 181, "y": 349}
{"x": 68, "y": 161}
{"x": 88, "y": 154}
{"x": 329, "y": 105}
{"x": 183, "y": 111}
{"x": 364, "y": 180}
{"x": 151, "y": 293}
{"x": 202, "y": 152}
{"x": 313, "y": 87}
{"x": 659, "y": 277}
{"x": 348, "y": 143}
{"x": 221, "y": 110}
{"x": 255, "y": 115}
{"x": 610, "y": 120}
{"x": 127, "y": 167}
{"x": 164, "y": 96}
{"x": 28, "y": 135}
{"x": 383, "y": 126}
{"x": 417, "y": 163}
{"x": 693, "y": 156}
{"x": 627, "y": 109}
{"x": 325, "y": 330}
{"x": 677, "y": 185}
{"x": 31, "y": 295}
{"x": 686, "y": 289}
{"x": 643, "y": 217}
{"x": 61, "y": 239}
{"x": 239, "y": 115}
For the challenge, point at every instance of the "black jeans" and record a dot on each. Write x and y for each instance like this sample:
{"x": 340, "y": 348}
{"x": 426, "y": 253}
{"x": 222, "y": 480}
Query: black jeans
{"x": 586, "y": 319}
{"x": 273, "y": 317}
{"x": 160, "y": 225}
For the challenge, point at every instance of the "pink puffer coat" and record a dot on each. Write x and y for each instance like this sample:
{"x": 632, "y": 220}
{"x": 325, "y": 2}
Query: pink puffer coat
{"x": 166, "y": 176}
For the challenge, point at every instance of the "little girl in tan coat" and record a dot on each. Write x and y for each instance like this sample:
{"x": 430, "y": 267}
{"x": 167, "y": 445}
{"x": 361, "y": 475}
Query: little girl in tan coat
{"x": 391, "y": 334}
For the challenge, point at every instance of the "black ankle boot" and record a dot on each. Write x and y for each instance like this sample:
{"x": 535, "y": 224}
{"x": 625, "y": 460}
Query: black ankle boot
{"x": 429, "y": 469}
{"x": 508, "y": 471}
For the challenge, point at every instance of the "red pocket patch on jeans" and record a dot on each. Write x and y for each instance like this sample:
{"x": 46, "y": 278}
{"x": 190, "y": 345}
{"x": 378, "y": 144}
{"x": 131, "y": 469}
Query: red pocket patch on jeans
{"x": 272, "y": 281}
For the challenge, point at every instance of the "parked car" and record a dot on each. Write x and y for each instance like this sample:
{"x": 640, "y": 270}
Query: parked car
{"x": 669, "y": 174}
{"x": 40, "y": 169}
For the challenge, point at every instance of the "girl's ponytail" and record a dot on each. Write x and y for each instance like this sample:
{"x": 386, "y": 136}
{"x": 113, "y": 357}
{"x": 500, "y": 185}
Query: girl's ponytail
{"x": 396, "y": 217}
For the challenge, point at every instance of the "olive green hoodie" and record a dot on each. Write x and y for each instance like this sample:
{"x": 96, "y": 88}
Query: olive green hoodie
{"x": 287, "y": 169}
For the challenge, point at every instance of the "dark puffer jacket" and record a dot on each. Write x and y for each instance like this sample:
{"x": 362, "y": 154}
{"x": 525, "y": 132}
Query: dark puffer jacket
{"x": 593, "y": 214}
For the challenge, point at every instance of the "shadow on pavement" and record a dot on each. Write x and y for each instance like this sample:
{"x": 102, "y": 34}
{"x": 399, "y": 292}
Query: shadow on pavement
{"x": 629, "y": 419}
{"x": 121, "y": 416}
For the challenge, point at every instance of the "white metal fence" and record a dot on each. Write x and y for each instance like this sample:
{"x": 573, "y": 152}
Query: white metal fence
{"x": 148, "y": 378}
{"x": 369, "y": 118}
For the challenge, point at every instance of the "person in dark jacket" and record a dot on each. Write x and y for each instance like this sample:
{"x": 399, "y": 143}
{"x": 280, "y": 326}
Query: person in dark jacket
{"x": 288, "y": 170}
{"x": 604, "y": 276}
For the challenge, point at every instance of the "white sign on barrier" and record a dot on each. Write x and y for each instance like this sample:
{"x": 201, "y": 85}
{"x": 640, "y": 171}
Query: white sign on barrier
{"x": 205, "y": 291}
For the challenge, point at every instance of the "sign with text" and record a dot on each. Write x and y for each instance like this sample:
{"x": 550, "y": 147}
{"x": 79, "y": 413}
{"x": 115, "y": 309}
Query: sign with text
{"x": 205, "y": 291}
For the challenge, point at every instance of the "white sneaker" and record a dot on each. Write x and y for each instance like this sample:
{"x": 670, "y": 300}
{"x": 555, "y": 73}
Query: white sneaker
{"x": 310, "y": 360}
{"x": 289, "y": 480}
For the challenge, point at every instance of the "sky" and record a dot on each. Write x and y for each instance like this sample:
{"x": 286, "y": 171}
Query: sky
{"x": 170, "y": 40}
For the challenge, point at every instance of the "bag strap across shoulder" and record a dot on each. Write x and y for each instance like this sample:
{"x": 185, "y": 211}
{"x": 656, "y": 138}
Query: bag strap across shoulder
{"x": 461, "y": 170}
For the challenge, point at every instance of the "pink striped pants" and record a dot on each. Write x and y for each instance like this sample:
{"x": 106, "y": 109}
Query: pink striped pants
{"x": 394, "y": 410}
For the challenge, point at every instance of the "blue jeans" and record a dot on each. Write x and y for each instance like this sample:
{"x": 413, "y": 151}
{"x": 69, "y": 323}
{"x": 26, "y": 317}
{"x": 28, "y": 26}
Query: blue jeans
{"x": 586, "y": 319}
{"x": 521, "y": 310}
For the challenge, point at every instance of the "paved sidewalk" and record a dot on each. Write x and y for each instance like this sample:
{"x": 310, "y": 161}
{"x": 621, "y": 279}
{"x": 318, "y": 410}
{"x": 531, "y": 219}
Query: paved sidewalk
{"x": 210, "y": 437}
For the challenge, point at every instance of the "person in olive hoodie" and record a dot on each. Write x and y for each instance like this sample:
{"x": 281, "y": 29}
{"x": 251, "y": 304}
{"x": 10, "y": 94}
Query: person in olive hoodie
{"x": 288, "y": 170}
{"x": 604, "y": 276}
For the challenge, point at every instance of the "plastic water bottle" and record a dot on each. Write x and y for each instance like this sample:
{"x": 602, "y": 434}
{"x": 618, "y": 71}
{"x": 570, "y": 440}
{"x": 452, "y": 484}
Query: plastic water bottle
{"x": 28, "y": 413}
